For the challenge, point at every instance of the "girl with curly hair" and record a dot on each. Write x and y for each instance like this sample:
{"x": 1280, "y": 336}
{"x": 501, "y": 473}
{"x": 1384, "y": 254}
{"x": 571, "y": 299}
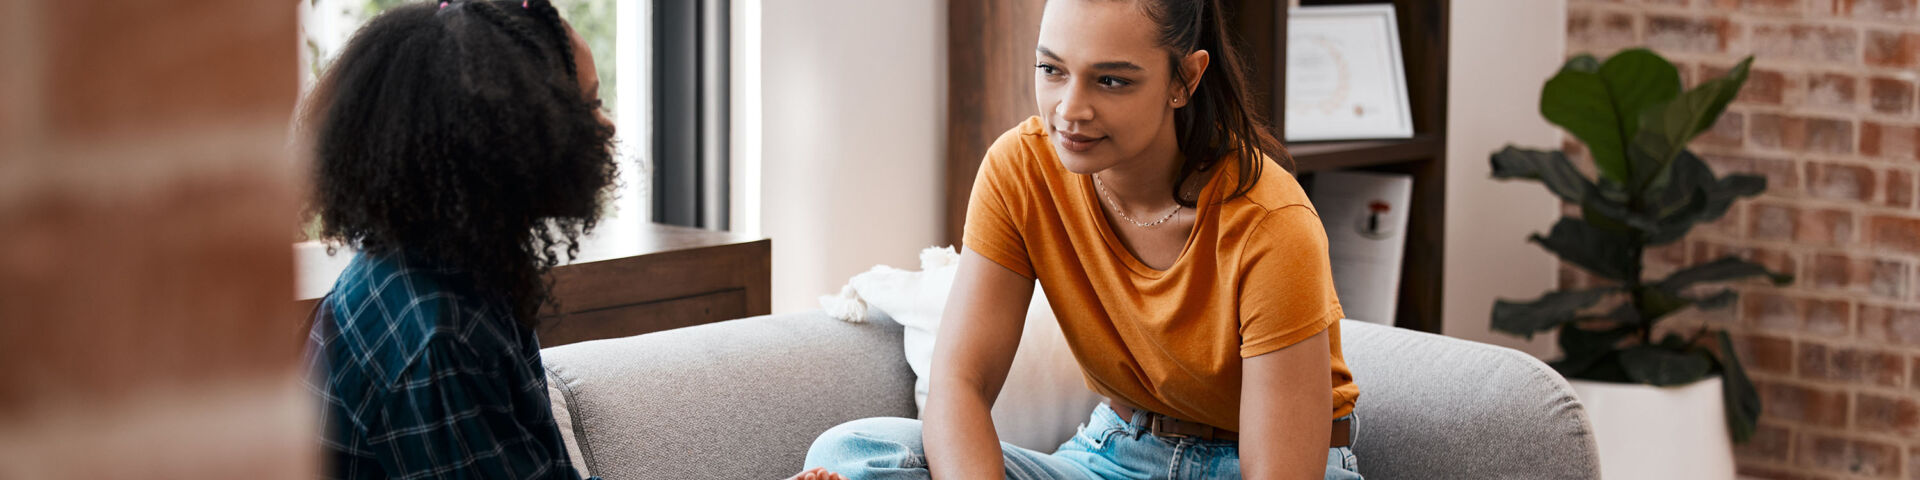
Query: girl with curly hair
{"x": 460, "y": 147}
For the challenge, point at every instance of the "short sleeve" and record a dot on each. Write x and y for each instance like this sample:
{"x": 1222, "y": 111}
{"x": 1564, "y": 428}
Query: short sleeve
{"x": 994, "y": 208}
{"x": 1286, "y": 282}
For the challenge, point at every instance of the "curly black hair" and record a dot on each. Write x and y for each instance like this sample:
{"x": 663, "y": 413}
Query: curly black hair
{"x": 458, "y": 133}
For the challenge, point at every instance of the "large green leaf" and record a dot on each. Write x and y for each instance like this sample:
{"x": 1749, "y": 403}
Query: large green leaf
{"x": 1579, "y": 101}
{"x": 1654, "y": 365}
{"x": 1638, "y": 79}
{"x": 1743, "y": 401}
{"x": 1547, "y": 312}
{"x": 1584, "y": 348}
{"x": 1656, "y": 303}
{"x": 1665, "y": 129}
{"x": 1686, "y": 193}
{"x": 1607, "y": 254}
{"x": 1721, "y": 270}
{"x": 1548, "y": 167}
{"x": 1602, "y": 104}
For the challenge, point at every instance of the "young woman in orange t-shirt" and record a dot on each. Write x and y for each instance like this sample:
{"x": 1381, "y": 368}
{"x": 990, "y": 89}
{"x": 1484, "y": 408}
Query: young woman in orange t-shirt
{"x": 1188, "y": 271}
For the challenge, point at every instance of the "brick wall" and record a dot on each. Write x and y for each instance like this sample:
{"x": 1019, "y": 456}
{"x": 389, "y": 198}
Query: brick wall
{"x": 1829, "y": 115}
{"x": 147, "y": 204}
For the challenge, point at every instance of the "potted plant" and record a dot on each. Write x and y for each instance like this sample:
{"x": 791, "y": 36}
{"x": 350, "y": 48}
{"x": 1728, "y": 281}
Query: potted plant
{"x": 1635, "y": 120}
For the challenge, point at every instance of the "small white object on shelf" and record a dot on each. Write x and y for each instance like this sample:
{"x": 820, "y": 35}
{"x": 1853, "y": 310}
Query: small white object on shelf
{"x": 1365, "y": 215}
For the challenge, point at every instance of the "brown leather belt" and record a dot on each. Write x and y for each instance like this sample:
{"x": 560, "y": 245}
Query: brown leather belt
{"x": 1166, "y": 426}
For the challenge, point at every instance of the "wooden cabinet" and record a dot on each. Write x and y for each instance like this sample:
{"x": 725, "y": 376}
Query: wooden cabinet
{"x": 665, "y": 277}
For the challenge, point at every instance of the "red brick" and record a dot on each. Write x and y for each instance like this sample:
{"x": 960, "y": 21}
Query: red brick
{"x": 227, "y": 62}
{"x": 1897, "y": 142}
{"x": 1831, "y": 90}
{"x": 1897, "y": 326}
{"x": 1684, "y": 34}
{"x": 1875, "y": 413}
{"x": 1599, "y": 32}
{"x": 1829, "y": 272}
{"x": 1802, "y": 405}
{"x": 1824, "y": 227}
{"x": 1841, "y": 455}
{"x": 1899, "y": 189}
{"x": 1895, "y": 233}
{"x": 1769, "y": 442}
{"x": 1764, "y": 353}
{"x": 1875, "y": 9}
{"x": 1806, "y": 42}
{"x": 1774, "y": 7}
{"x": 129, "y": 277}
{"x": 1848, "y": 364}
{"x": 1776, "y": 312}
{"x": 1840, "y": 182}
{"x": 1801, "y": 134}
{"x": 1677, "y": 3}
{"x": 1773, "y": 222}
{"x": 1749, "y": 471}
{"x": 1728, "y": 131}
{"x": 1763, "y": 86}
{"x": 1890, "y": 96}
{"x": 1892, "y": 49}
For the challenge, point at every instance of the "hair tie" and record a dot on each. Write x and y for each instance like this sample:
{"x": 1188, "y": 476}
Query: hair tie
{"x": 523, "y": 4}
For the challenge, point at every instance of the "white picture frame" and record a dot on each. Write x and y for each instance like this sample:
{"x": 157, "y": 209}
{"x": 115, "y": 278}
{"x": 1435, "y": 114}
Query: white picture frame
{"x": 1345, "y": 79}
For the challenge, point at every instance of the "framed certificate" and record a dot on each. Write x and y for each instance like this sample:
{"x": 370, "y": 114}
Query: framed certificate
{"x": 1345, "y": 80}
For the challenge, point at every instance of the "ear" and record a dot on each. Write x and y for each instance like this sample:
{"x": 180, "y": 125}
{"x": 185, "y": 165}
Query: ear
{"x": 1191, "y": 68}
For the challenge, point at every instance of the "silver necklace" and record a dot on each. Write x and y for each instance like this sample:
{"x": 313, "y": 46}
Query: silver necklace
{"x": 1122, "y": 213}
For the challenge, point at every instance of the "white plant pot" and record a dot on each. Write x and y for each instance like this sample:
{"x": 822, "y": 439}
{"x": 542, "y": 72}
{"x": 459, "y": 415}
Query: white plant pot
{"x": 1659, "y": 432}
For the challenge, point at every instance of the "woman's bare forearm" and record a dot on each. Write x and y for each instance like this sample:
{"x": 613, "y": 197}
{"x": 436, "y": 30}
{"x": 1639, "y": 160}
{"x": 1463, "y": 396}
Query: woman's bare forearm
{"x": 959, "y": 435}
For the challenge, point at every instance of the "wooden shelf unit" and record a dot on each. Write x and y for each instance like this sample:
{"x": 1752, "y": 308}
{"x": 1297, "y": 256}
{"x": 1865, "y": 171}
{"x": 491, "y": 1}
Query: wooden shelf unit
{"x": 1262, "y": 27}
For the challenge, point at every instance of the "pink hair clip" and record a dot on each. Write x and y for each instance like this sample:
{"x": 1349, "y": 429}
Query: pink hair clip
{"x": 443, "y": 5}
{"x": 523, "y": 3}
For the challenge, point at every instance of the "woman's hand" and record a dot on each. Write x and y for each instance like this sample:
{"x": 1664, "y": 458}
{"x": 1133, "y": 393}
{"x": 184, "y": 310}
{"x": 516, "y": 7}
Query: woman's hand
{"x": 1286, "y": 411}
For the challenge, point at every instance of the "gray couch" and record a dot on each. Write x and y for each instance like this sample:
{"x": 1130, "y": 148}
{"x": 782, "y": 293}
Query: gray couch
{"x": 744, "y": 399}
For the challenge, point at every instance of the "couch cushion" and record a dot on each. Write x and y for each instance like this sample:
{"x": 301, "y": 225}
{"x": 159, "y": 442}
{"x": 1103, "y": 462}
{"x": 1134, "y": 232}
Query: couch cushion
{"x": 736, "y": 399}
{"x": 1441, "y": 407}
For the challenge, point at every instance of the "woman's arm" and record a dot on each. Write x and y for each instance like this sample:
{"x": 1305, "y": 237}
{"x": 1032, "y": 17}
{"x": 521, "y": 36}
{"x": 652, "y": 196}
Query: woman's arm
{"x": 1285, "y": 411}
{"x": 979, "y": 333}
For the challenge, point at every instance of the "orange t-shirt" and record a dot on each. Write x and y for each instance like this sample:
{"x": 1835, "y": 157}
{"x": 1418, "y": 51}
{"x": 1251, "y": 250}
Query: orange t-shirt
{"x": 1253, "y": 278}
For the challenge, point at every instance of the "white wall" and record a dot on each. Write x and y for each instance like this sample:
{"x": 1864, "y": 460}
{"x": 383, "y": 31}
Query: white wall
{"x": 1501, "y": 52}
{"x": 850, "y": 136}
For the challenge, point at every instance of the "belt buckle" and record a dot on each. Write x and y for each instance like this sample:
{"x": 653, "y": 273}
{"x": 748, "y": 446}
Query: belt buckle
{"x": 1154, "y": 427}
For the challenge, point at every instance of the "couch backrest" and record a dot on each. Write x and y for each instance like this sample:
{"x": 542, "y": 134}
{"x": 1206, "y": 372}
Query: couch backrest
{"x": 745, "y": 398}
{"x": 737, "y": 399}
{"x": 1440, "y": 407}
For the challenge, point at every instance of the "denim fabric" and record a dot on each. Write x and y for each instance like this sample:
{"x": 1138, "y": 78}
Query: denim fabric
{"x": 1107, "y": 447}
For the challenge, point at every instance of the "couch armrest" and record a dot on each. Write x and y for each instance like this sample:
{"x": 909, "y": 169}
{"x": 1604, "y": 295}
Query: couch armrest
{"x": 1442, "y": 407}
{"x": 736, "y": 399}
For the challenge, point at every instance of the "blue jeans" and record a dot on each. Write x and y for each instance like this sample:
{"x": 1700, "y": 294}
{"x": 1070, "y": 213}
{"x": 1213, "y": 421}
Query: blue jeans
{"x": 1106, "y": 448}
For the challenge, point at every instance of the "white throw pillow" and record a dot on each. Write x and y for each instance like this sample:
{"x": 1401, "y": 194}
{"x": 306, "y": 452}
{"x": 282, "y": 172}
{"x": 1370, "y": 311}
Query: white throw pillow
{"x": 1045, "y": 398}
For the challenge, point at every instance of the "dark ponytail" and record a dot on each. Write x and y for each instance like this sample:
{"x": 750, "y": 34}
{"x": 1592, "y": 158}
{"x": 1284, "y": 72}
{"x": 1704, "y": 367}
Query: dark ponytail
{"x": 1221, "y": 121}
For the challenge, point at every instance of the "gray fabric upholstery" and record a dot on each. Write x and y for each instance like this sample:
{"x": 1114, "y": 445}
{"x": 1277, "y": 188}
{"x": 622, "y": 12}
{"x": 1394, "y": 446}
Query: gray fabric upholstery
{"x": 1440, "y": 407}
{"x": 745, "y": 398}
{"x": 737, "y": 399}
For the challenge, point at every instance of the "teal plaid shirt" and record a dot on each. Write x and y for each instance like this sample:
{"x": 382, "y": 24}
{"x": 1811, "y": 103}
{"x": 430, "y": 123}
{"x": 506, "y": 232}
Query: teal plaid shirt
{"x": 421, "y": 378}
